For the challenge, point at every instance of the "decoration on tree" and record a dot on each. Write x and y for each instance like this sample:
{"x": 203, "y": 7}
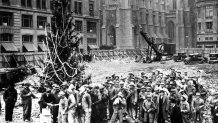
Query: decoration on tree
{"x": 62, "y": 42}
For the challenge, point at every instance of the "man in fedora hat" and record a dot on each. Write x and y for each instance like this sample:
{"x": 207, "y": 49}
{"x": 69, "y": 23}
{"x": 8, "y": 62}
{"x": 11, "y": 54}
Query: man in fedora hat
{"x": 149, "y": 108}
{"x": 55, "y": 102}
{"x": 214, "y": 108}
{"x": 112, "y": 91}
{"x": 26, "y": 96}
{"x": 46, "y": 99}
{"x": 103, "y": 104}
{"x": 198, "y": 105}
{"x": 63, "y": 108}
{"x": 118, "y": 105}
{"x": 176, "y": 115}
{"x": 142, "y": 97}
{"x": 132, "y": 100}
{"x": 10, "y": 98}
{"x": 162, "y": 107}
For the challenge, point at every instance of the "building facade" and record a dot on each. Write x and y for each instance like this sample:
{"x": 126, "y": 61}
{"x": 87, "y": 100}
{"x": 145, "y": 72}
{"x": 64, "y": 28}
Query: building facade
{"x": 22, "y": 28}
{"x": 207, "y": 23}
{"x": 181, "y": 23}
{"x": 22, "y": 32}
{"x": 168, "y": 21}
{"x": 87, "y": 22}
{"x": 123, "y": 20}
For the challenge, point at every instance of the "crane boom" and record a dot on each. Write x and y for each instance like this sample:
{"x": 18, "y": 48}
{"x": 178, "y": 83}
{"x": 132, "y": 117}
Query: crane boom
{"x": 152, "y": 45}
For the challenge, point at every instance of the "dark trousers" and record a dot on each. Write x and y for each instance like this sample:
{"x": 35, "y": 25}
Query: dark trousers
{"x": 160, "y": 117}
{"x": 54, "y": 111}
{"x": 27, "y": 111}
{"x": 111, "y": 110}
{"x": 9, "y": 107}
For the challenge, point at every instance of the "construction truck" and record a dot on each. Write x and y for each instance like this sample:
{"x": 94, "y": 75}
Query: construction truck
{"x": 162, "y": 51}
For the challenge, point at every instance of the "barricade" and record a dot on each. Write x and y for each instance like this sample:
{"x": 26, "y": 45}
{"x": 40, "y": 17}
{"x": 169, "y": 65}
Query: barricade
{"x": 117, "y": 53}
{"x": 204, "y": 51}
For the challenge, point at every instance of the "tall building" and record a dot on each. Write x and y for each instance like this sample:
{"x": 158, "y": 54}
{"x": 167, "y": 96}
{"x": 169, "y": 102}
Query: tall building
{"x": 22, "y": 32}
{"x": 87, "y": 22}
{"x": 22, "y": 28}
{"x": 123, "y": 20}
{"x": 168, "y": 21}
{"x": 207, "y": 23}
{"x": 181, "y": 22}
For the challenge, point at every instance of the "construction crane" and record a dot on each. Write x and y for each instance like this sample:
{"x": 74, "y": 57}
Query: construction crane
{"x": 153, "y": 47}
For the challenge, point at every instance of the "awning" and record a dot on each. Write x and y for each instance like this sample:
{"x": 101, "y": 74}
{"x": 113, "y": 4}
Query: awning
{"x": 93, "y": 47}
{"x": 30, "y": 47}
{"x": 9, "y": 47}
{"x": 43, "y": 47}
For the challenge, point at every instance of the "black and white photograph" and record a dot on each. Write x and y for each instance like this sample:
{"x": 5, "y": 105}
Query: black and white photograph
{"x": 108, "y": 61}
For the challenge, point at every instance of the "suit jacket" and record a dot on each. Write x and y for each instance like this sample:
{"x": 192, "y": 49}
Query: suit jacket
{"x": 44, "y": 100}
{"x": 165, "y": 106}
{"x": 86, "y": 101}
{"x": 176, "y": 116}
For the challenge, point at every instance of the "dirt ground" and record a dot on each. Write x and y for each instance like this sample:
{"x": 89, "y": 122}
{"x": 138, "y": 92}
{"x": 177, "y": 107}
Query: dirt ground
{"x": 100, "y": 69}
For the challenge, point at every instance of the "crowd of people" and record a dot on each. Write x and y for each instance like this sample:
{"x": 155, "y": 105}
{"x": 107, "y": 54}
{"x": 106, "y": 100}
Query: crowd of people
{"x": 153, "y": 97}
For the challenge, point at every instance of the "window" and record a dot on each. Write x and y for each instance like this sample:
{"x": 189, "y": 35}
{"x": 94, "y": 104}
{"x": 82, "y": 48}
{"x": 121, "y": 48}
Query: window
{"x": 91, "y": 27}
{"x": 6, "y": 2}
{"x": 199, "y": 12}
{"x": 199, "y": 26}
{"x": 41, "y": 38}
{"x": 209, "y": 46}
{"x": 52, "y": 5}
{"x": 91, "y": 8}
{"x": 6, "y": 37}
{"x": 78, "y": 8}
{"x": 27, "y": 38}
{"x": 6, "y": 19}
{"x": 41, "y": 4}
{"x": 209, "y": 12}
{"x": 199, "y": 39}
{"x": 206, "y": 38}
{"x": 199, "y": 46}
{"x": 53, "y": 20}
{"x": 211, "y": 38}
{"x": 78, "y": 25}
{"x": 69, "y": 6}
{"x": 209, "y": 25}
{"x": 27, "y": 21}
{"x": 153, "y": 19}
{"x": 91, "y": 41}
{"x": 174, "y": 4}
{"x": 26, "y": 3}
{"x": 41, "y": 22}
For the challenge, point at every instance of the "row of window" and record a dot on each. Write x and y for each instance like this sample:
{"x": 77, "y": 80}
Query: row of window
{"x": 209, "y": 12}
{"x": 78, "y": 8}
{"x": 6, "y": 37}
{"x": 206, "y": 46}
{"x": 27, "y": 21}
{"x": 40, "y": 4}
{"x": 91, "y": 26}
{"x": 208, "y": 38}
{"x": 209, "y": 25}
{"x": 6, "y": 19}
